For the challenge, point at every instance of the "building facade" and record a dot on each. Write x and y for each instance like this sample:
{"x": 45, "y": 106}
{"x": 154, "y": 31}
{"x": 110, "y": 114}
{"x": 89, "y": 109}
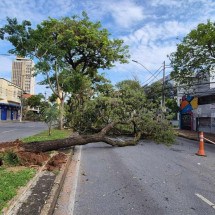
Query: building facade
{"x": 22, "y": 74}
{"x": 9, "y": 100}
{"x": 197, "y": 108}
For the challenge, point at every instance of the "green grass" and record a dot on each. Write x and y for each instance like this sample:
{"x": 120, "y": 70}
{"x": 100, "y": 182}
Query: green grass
{"x": 10, "y": 183}
{"x": 55, "y": 134}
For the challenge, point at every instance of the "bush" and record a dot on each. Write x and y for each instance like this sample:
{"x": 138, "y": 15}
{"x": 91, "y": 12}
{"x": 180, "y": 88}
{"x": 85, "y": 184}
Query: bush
{"x": 10, "y": 158}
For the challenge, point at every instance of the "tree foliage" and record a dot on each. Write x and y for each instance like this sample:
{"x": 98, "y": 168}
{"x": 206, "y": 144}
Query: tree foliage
{"x": 33, "y": 106}
{"x": 66, "y": 49}
{"x": 126, "y": 105}
{"x": 50, "y": 115}
{"x": 195, "y": 55}
{"x": 76, "y": 41}
{"x": 154, "y": 96}
{"x": 69, "y": 52}
{"x": 36, "y": 101}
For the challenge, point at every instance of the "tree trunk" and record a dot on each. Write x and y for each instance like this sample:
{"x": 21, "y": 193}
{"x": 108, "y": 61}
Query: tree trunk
{"x": 61, "y": 114}
{"x": 50, "y": 130}
{"x": 77, "y": 139}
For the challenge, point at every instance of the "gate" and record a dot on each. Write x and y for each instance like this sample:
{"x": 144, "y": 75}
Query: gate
{"x": 4, "y": 113}
{"x": 186, "y": 121}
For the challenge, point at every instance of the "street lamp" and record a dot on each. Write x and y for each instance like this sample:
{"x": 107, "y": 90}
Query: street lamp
{"x": 135, "y": 61}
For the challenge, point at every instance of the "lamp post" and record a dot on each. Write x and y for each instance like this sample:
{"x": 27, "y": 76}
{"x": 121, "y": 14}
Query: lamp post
{"x": 135, "y": 61}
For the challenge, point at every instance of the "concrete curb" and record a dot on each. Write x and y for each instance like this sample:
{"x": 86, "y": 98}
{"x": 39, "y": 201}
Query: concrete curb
{"x": 187, "y": 137}
{"x": 49, "y": 207}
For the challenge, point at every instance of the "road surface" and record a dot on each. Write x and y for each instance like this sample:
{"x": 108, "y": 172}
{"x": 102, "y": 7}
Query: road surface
{"x": 147, "y": 179}
{"x": 10, "y": 131}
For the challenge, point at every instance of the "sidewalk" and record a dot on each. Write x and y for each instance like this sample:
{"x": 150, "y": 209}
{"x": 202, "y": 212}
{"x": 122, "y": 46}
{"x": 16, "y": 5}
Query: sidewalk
{"x": 193, "y": 135}
{"x": 39, "y": 196}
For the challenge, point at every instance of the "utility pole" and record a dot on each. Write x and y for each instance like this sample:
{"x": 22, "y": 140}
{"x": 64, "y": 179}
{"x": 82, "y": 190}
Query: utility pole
{"x": 21, "y": 105}
{"x": 163, "y": 87}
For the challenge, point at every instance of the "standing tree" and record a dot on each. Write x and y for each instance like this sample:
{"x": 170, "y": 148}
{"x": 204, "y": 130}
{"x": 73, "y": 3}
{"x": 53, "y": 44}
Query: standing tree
{"x": 195, "y": 55}
{"x": 63, "y": 47}
{"x": 50, "y": 116}
{"x": 36, "y": 104}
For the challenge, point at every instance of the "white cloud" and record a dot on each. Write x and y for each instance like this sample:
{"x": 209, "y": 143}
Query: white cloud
{"x": 125, "y": 13}
{"x": 154, "y": 33}
{"x": 34, "y": 10}
{"x": 119, "y": 14}
{"x": 186, "y": 10}
{"x": 168, "y": 3}
{"x": 150, "y": 46}
{"x": 157, "y": 24}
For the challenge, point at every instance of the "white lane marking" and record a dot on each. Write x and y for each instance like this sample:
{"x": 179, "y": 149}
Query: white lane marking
{"x": 205, "y": 200}
{"x": 7, "y": 131}
{"x": 75, "y": 181}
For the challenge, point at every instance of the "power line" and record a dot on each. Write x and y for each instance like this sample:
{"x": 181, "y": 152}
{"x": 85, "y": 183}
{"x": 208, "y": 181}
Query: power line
{"x": 153, "y": 75}
{"x": 197, "y": 92}
{"x": 143, "y": 67}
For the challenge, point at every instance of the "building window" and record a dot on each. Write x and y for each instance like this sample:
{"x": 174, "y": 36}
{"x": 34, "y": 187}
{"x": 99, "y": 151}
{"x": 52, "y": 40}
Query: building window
{"x": 206, "y": 100}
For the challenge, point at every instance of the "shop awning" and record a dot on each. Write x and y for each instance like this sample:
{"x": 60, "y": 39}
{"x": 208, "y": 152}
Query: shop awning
{"x": 9, "y": 104}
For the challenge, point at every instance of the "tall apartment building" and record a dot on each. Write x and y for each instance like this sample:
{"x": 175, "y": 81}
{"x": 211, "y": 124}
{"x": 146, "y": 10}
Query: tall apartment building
{"x": 22, "y": 70}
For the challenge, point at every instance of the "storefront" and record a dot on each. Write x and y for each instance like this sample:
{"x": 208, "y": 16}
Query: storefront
{"x": 9, "y": 111}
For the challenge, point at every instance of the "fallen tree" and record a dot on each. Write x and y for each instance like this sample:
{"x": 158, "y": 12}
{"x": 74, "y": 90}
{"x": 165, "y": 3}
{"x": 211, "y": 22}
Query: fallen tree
{"x": 124, "y": 112}
{"x": 76, "y": 139}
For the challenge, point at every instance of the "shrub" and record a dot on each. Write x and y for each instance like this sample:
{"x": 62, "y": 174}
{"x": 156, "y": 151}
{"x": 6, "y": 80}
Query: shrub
{"x": 10, "y": 158}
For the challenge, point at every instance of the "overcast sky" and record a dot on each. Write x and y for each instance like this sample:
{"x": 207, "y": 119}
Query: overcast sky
{"x": 151, "y": 28}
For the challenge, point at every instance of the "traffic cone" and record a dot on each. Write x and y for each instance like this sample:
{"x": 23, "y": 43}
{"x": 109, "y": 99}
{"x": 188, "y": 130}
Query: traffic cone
{"x": 201, "y": 151}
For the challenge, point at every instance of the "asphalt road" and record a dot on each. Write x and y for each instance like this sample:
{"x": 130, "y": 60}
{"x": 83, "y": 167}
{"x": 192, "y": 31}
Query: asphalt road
{"x": 10, "y": 131}
{"x": 147, "y": 179}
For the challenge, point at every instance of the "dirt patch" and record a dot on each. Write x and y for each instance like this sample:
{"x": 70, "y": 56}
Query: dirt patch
{"x": 10, "y": 145}
{"x": 30, "y": 158}
{"x": 34, "y": 159}
{"x": 56, "y": 162}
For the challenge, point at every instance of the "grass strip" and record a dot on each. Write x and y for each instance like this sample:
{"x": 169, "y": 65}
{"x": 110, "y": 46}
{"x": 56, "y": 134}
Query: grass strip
{"x": 43, "y": 136}
{"x": 11, "y": 181}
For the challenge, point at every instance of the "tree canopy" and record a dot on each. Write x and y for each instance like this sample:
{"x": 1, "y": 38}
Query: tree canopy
{"x": 76, "y": 41}
{"x": 69, "y": 51}
{"x": 195, "y": 55}
{"x": 124, "y": 104}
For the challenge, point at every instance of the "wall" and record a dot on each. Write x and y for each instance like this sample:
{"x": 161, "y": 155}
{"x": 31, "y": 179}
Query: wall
{"x": 9, "y": 100}
{"x": 205, "y": 115}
